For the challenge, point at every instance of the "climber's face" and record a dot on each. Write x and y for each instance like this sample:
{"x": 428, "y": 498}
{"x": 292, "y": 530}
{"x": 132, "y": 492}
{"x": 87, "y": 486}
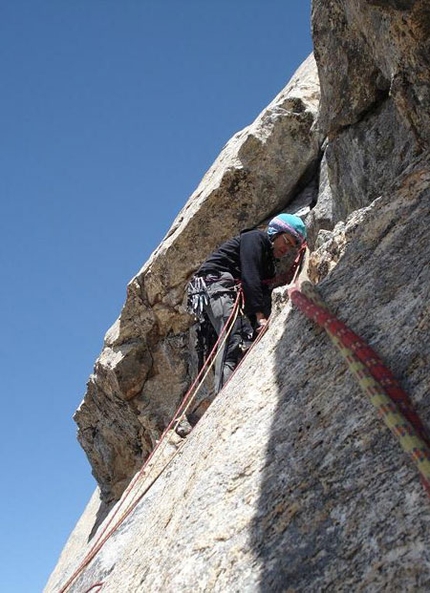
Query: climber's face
{"x": 283, "y": 244}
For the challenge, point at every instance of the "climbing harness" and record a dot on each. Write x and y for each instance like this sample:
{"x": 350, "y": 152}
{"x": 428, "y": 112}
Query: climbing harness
{"x": 216, "y": 344}
{"x": 377, "y": 382}
{"x": 202, "y": 292}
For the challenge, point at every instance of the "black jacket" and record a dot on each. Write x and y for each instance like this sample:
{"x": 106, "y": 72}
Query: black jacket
{"x": 248, "y": 257}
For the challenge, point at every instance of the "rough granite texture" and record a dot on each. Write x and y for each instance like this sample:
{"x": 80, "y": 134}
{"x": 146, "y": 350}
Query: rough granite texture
{"x": 144, "y": 368}
{"x": 289, "y": 482}
{"x": 368, "y": 50}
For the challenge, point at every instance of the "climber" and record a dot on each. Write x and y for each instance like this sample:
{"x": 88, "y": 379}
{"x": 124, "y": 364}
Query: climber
{"x": 247, "y": 260}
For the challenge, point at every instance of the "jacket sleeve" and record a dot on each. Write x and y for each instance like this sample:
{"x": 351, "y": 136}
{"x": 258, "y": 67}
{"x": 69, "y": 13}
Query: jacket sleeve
{"x": 252, "y": 271}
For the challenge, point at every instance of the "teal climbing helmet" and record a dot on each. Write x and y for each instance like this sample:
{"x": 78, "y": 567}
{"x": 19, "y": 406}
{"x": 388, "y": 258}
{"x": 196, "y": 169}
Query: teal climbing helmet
{"x": 287, "y": 223}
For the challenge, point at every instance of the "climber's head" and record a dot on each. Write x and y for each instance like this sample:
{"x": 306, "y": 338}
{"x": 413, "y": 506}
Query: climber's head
{"x": 286, "y": 232}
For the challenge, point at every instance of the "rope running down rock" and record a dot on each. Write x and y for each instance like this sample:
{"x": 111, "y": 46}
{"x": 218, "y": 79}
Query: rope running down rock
{"x": 376, "y": 380}
{"x": 138, "y": 486}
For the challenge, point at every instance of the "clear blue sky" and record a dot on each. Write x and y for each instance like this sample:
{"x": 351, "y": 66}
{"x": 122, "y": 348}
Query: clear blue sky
{"x": 111, "y": 112}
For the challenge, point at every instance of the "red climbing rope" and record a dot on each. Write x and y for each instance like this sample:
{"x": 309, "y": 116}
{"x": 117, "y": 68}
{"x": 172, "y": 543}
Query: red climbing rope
{"x": 377, "y": 381}
{"x": 110, "y": 527}
{"x": 106, "y": 533}
{"x": 95, "y": 586}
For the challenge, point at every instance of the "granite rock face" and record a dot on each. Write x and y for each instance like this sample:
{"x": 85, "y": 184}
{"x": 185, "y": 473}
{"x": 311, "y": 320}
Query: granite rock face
{"x": 368, "y": 50}
{"x": 373, "y": 62}
{"x": 144, "y": 368}
{"x": 289, "y": 482}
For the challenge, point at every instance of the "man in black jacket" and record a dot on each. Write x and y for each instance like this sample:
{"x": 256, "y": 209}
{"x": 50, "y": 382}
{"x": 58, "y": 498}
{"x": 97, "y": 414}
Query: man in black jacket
{"x": 247, "y": 260}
